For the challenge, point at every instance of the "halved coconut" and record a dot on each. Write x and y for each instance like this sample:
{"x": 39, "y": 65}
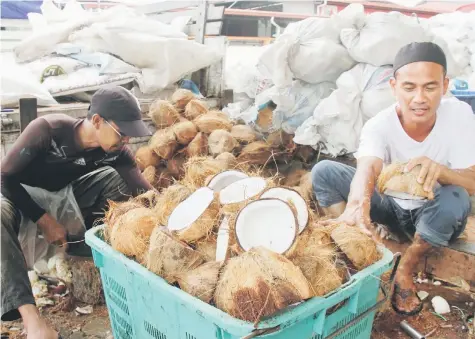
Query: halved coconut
{"x": 222, "y": 241}
{"x": 224, "y": 179}
{"x": 169, "y": 200}
{"x": 270, "y": 223}
{"x": 293, "y": 198}
{"x": 195, "y": 217}
{"x": 198, "y": 169}
{"x": 242, "y": 190}
{"x": 394, "y": 181}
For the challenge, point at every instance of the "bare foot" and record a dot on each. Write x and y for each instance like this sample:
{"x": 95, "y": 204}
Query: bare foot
{"x": 36, "y": 326}
{"x": 405, "y": 299}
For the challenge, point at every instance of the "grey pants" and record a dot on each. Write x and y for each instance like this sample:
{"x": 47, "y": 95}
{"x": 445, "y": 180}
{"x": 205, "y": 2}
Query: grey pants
{"x": 438, "y": 222}
{"x": 91, "y": 192}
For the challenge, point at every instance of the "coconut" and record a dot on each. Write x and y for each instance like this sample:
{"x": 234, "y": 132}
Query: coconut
{"x": 256, "y": 153}
{"x": 164, "y": 143}
{"x": 360, "y": 249}
{"x": 294, "y": 199}
{"x": 145, "y": 157}
{"x": 305, "y": 153}
{"x": 316, "y": 256}
{"x": 259, "y": 283}
{"x": 224, "y": 179}
{"x": 242, "y": 190}
{"x": 198, "y": 146}
{"x": 306, "y": 186}
{"x": 281, "y": 139}
{"x": 185, "y": 132}
{"x": 393, "y": 179}
{"x": 164, "y": 179}
{"x": 182, "y": 97}
{"x": 169, "y": 200}
{"x": 195, "y": 108}
{"x": 201, "y": 282}
{"x": 270, "y": 223}
{"x": 197, "y": 169}
{"x": 168, "y": 257}
{"x": 223, "y": 240}
{"x": 209, "y": 122}
{"x": 148, "y": 199}
{"x": 163, "y": 114}
{"x": 227, "y": 159}
{"x": 151, "y": 175}
{"x": 220, "y": 141}
{"x": 116, "y": 210}
{"x": 176, "y": 165}
{"x": 207, "y": 247}
{"x": 131, "y": 233}
{"x": 195, "y": 217}
{"x": 243, "y": 133}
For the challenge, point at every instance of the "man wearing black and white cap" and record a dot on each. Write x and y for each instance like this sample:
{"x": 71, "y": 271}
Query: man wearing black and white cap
{"x": 55, "y": 151}
{"x": 422, "y": 128}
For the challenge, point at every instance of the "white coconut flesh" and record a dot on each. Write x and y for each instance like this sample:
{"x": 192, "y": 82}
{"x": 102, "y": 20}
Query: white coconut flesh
{"x": 222, "y": 240}
{"x": 269, "y": 223}
{"x": 293, "y": 197}
{"x": 226, "y": 178}
{"x": 242, "y": 190}
{"x": 188, "y": 211}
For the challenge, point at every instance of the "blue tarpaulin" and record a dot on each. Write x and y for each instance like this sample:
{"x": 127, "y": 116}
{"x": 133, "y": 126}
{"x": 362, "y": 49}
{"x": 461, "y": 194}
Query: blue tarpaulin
{"x": 19, "y": 9}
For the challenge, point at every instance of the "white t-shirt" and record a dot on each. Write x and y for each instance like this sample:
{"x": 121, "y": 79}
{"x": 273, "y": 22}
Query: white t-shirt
{"x": 451, "y": 142}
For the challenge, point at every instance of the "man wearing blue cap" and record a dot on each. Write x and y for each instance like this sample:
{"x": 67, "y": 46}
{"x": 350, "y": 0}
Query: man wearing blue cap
{"x": 422, "y": 128}
{"x": 55, "y": 151}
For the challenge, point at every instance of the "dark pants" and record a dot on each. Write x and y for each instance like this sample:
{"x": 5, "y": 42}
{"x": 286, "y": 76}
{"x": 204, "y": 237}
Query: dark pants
{"x": 91, "y": 192}
{"x": 438, "y": 221}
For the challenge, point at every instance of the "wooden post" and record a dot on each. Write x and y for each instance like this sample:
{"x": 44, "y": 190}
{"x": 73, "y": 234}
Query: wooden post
{"x": 198, "y": 76}
{"x": 28, "y": 112}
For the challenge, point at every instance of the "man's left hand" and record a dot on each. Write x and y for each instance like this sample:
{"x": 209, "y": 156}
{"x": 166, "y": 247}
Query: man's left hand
{"x": 429, "y": 173}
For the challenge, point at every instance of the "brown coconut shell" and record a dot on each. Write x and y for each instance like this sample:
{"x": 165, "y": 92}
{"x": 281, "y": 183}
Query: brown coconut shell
{"x": 360, "y": 249}
{"x": 207, "y": 247}
{"x": 258, "y": 283}
{"x": 163, "y": 114}
{"x": 198, "y": 146}
{"x": 164, "y": 143}
{"x": 181, "y": 98}
{"x": 131, "y": 233}
{"x": 185, "y": 131}
{"x": 201, "y": 282}
{"x": 256, "y": 153}
{"x": 169, "y": 200}
{"x": 394, "y": 178}
{"x": 220, "y": 141}
{"x": 176, "y": 165}
{"x": 114, "y": 211}
{"x": 228, "y": 159}
{"x": 211, "y": 121}
{"x": 195, "y": 108}
{"x": 243, "y": 133}
{"x": 315, "y": 254}
{"x": 197, "y": 169}
{"x": 145, "y": 157}
{"x": 168, "y": 257}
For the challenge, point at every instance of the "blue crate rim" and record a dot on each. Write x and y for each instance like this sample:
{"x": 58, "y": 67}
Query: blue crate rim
{"x": 287, "y": 316}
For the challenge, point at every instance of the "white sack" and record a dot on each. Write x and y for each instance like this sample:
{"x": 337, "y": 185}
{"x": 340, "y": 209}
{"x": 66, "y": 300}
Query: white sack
{"x": 381, "y": 37}
{"x": 310, "y": 50}
{"x": 337, "y": 121}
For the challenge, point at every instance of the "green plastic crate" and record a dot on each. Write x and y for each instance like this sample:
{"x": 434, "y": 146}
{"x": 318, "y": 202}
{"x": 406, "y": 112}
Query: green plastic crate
{"x": 142, "y": 305}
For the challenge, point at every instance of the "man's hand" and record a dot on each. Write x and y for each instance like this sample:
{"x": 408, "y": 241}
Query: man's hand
{"x": 54, "y": 232}
{"x": 428, "y": 175}
{"x": 354, "y": 215}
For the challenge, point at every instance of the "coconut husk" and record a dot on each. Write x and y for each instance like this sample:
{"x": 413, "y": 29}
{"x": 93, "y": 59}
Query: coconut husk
{"x": 394, "y": 178}
{"x": 176, "y": 165}
{"x": 294, "y": 177}
{"x": 258, "y": 283}
{"x": 316, "y": 256}
{"x": 220, "y": 141}
{"x": 147, "y": 199}
{"x": 207, "y": 247}
{"x": 131, "y": 233}
{"x": 165, "y": 179}
{"x": 244, "y": 134}
{"x": 168, "y": 257}
{"x": 197, "y": 169}
{"x": 256, "y": 153}
{"x": 116, "y": 210}
{"x": 145, "y": 157}
{"x": 164, "y": 143}
{"x": 305, "y": 153}
{"x": 163, "y": 114}
{"x": 198, "y": 146}
{"x": 169, "y": 200}
{"x": 201, "y": 282}
{"x": 195, "y": 108}
{"x": 228, "y": 160}
{"x": 360, "y": 249}
{"x": 151, "y": 175}
{"x": 185, "y": 131}
{"x": 211, "y": 121}
{"x": 181, "y": 98}
{"x": 306, "y": 186}
{"x": 281, "y": 140}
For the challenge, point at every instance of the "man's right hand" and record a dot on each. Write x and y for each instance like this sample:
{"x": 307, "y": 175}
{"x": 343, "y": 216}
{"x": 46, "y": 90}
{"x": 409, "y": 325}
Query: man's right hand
{"x": 355, "y": 214}
{"x": 54, "y": 232}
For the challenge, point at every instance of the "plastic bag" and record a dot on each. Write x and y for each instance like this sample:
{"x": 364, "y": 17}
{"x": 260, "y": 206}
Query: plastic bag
{"x": 62, "y": 206}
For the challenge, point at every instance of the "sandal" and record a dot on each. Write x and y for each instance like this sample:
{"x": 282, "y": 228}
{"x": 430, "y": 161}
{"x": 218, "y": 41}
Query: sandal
{"x": 404, "y": 294}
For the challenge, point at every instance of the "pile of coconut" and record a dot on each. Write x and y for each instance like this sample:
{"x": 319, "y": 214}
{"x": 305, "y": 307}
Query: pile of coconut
{"x": 186, "y": 128}
{"x": 236, "y": 240}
